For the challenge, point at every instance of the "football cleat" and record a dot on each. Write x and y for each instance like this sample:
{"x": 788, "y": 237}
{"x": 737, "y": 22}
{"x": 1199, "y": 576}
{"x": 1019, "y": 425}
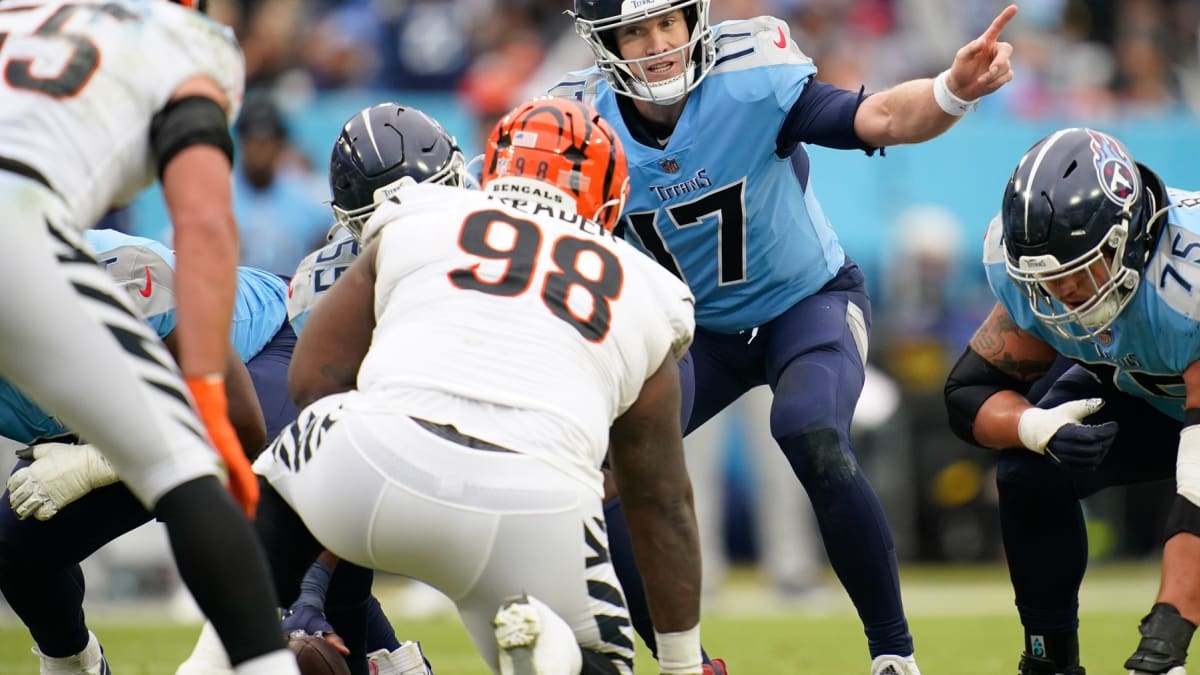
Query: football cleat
{"x": 533, "y": 640}
{"x": 406, "y": 659}
{"x": 890, "y": 664}
{"x": 717, "y": 667}
{"x": 90, "y": 661}
{"x": 1033, "y": 665}
{"x": 1164, "y": 644}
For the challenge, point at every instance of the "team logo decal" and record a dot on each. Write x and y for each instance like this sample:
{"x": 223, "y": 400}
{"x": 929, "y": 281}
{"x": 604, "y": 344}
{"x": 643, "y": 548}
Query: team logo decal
{"x": 1115, "y": 170}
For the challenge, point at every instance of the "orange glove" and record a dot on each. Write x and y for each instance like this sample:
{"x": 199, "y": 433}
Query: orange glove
{"x": 209, "y": 393}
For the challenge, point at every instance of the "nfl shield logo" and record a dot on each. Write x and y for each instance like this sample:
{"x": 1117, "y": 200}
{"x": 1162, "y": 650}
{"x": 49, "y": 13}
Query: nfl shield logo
{"x": 669, "y": 164}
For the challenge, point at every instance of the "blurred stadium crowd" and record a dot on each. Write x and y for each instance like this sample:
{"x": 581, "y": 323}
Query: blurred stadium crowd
{"x": 1087, "y": 59}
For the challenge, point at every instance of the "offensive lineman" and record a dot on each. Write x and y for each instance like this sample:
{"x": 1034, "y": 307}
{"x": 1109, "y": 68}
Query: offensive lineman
{"x": 1091, "y": 259}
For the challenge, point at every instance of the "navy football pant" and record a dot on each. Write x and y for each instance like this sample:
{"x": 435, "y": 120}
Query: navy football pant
{"x": 268, "y": 369}
{"x": 812, "y": 357}
{"x": 1040, "y": 506}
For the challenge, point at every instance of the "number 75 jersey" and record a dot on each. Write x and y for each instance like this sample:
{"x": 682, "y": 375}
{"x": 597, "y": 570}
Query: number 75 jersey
{"x": 1157, "y": 337}
{"x": 520, "y": 308}
{"x": 83, "y": 80}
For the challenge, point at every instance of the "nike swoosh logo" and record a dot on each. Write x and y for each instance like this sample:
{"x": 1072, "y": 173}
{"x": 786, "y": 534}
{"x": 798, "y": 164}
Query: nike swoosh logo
{"x": 146, "y": 291}
{"x": 782, "y": 41}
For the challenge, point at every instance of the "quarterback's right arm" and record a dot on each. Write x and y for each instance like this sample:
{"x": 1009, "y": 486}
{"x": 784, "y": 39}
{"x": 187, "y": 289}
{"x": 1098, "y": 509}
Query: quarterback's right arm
{"x": 646, "y": 452}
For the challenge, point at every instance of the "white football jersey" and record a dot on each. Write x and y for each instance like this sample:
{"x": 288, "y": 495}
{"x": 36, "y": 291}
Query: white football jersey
{"x": 315, "y": 276}
{"x": 83, "y": 79}
{"x": 530, "y": 330}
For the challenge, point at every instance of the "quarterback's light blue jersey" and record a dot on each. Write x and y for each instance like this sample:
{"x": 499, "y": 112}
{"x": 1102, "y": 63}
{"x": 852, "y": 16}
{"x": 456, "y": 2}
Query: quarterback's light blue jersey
{"x": 716, "y": 205}
{"x": 1156, "y": 337}
{"x": 145, "y": 269}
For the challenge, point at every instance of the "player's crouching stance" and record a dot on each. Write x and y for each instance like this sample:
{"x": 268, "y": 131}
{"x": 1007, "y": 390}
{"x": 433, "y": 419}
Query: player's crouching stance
{"x": 1090, "y": 261}
{"x": 468, "y": 374}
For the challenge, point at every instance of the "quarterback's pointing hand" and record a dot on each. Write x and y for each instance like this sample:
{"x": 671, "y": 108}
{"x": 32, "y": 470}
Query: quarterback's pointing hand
{"x": 982, "y": 65}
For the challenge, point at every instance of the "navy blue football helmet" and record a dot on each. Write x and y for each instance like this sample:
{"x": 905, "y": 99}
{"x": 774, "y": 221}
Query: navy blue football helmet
{"x": 1077, "y": 202}
{"x": 383, "y": 148}
{"x": 597, "y": 22}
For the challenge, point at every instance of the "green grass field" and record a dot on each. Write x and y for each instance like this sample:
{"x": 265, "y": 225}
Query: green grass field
{"x": 961, "y": 617}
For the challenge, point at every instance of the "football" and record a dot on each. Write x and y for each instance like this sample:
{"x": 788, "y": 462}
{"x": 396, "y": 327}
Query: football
{"x": 315, "y": 656}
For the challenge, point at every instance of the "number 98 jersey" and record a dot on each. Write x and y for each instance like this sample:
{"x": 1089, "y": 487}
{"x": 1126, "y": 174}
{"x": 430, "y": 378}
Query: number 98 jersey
{"x": 83, "y": 80}
{"x": 1156, "y": 337}
{"x": 485, "y": 305}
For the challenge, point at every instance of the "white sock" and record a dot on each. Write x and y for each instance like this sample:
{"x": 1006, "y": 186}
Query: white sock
{"x": 279, "y": 662}
{"x": 90, "y": 657}
{"x": 208, "y": 656}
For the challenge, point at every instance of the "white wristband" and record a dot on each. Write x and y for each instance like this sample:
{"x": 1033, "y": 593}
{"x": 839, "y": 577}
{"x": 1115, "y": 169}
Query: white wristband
{"x": 946, "y": 100}
{"x": 679, "y": 653}
{"x": 1187, "y": 464}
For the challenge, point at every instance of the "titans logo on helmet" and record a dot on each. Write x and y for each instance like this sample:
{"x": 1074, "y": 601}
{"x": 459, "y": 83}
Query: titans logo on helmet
{"x": 1114, "y": 169}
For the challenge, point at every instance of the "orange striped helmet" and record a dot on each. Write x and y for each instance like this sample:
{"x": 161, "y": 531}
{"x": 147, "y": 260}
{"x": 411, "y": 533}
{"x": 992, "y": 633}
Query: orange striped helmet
{"x": 563, "y": 143}
{"x": 198, "y": 5}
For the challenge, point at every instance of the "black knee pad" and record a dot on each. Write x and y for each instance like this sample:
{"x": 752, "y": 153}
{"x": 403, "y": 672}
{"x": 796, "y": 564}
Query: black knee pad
{"x": 1183, "y": 517}
{"x": 1165, "y": 639}
{"x": 819, "y": 457}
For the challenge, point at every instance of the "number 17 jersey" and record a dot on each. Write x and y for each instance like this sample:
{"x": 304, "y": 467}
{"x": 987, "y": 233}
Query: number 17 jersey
{"x": 715, "y": 204}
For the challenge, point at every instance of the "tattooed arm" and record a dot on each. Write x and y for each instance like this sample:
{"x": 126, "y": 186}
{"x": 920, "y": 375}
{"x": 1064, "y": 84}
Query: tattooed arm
{"x": 1018, "y": 354}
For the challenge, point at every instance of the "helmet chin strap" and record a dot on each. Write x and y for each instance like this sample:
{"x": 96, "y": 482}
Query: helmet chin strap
{"x": 1156, "y": 212}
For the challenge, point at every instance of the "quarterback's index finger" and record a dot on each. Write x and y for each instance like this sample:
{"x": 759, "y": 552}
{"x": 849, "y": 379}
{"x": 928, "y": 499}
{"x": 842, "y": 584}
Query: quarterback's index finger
{"x": 998, "y": 24}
